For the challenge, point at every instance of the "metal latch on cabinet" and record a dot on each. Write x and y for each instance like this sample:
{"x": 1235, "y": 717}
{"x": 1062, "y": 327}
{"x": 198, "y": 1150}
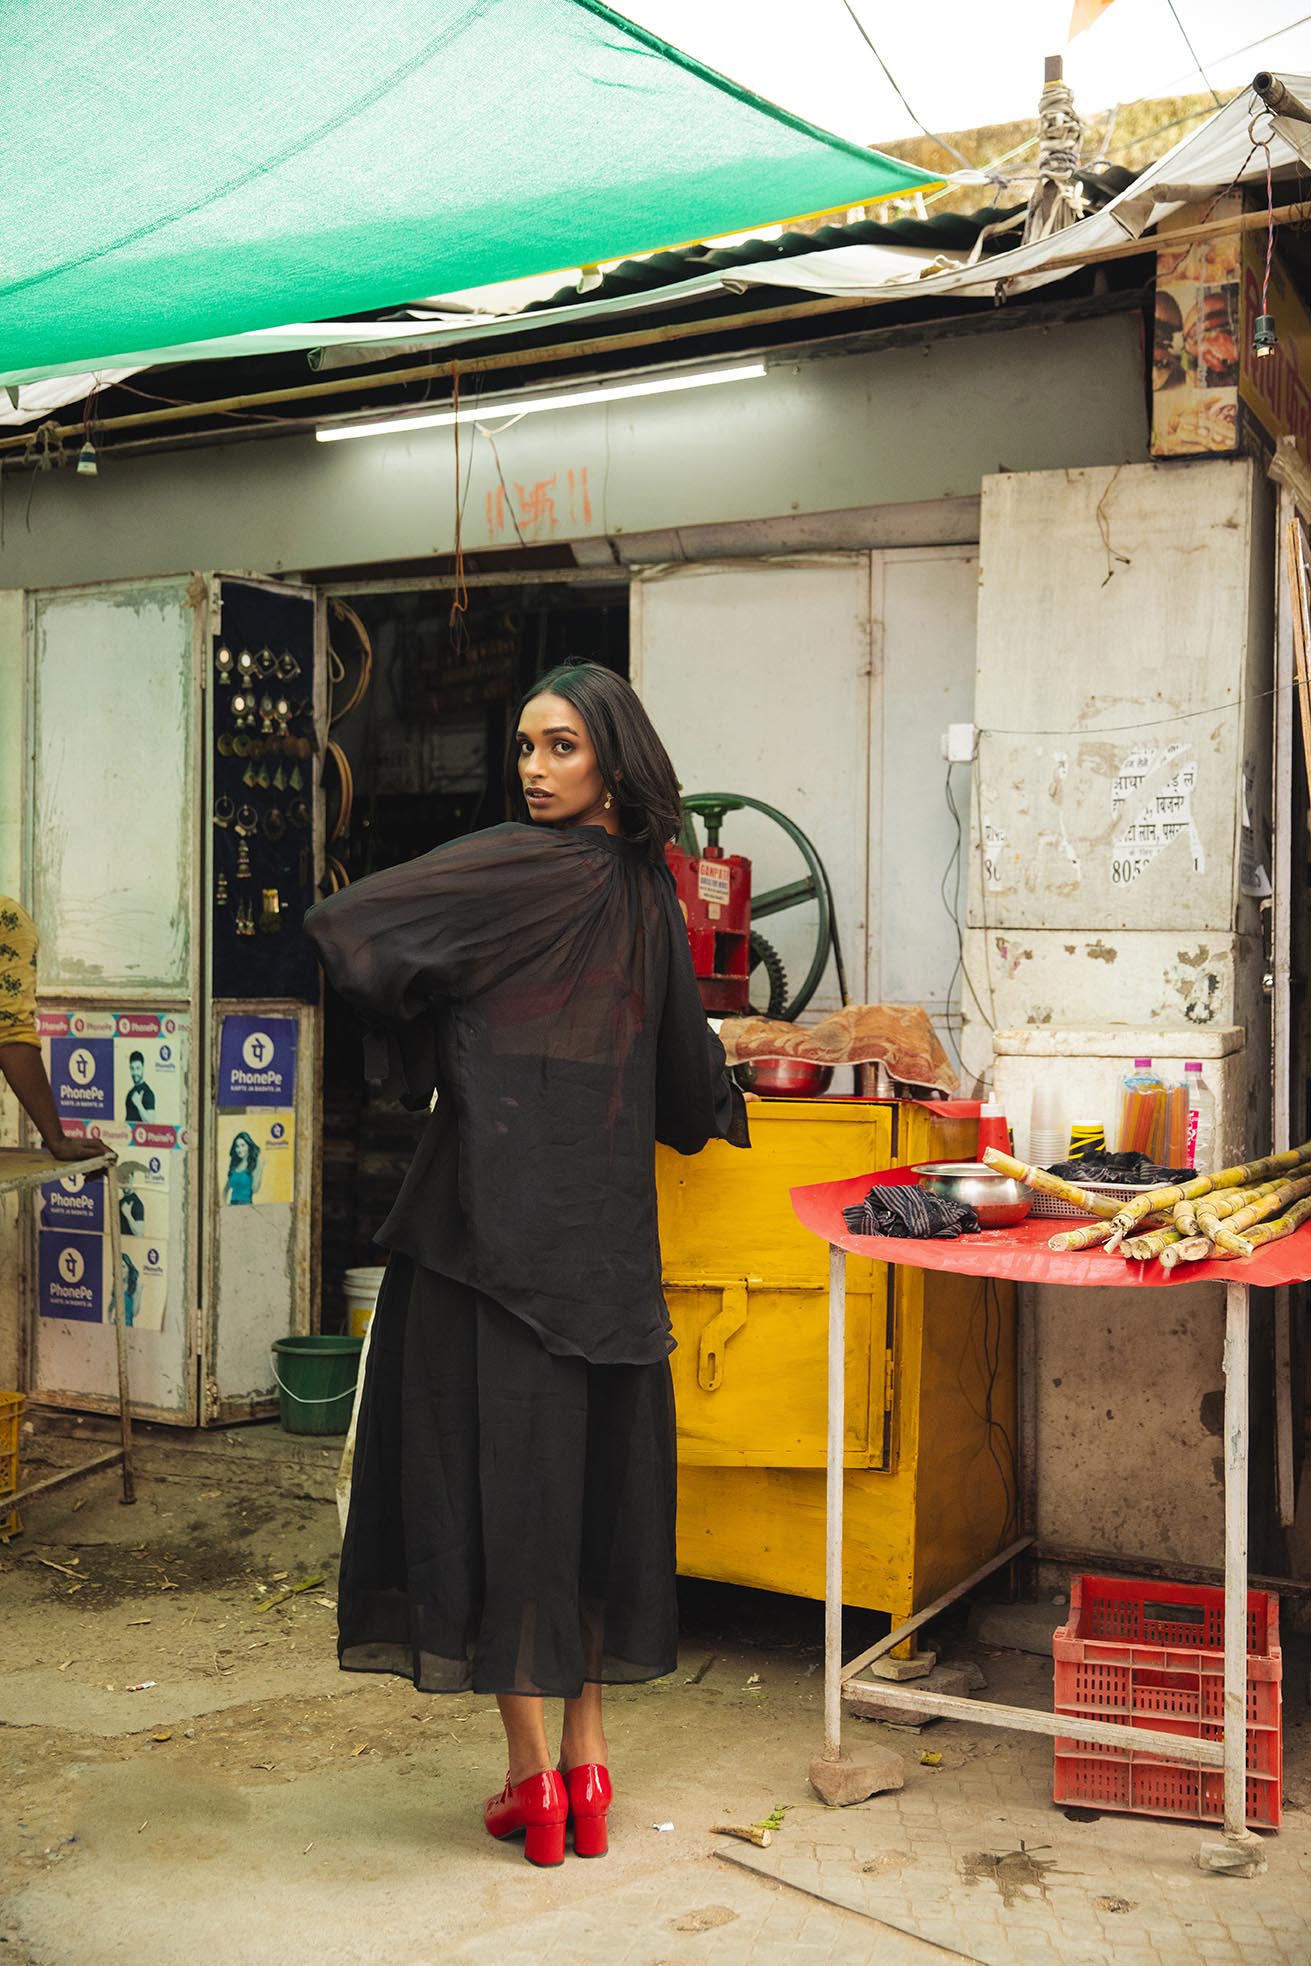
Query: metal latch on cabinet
{"x": 725, "y": 1324}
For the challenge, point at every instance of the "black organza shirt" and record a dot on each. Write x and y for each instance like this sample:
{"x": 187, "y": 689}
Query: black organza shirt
{"x": 541, "y": 982}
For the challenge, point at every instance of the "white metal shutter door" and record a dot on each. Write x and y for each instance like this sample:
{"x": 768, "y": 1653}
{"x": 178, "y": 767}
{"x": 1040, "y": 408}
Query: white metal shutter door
{"x": 757, "y": 676}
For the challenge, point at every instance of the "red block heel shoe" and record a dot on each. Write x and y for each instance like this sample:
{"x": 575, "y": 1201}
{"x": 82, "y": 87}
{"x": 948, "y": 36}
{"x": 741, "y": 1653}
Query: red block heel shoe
{"x": 539, "y": 1807}
{"x": 589, "y": 1798}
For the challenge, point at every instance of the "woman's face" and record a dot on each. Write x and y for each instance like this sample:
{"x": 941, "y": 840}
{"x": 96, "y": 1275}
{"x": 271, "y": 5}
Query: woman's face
{"x": 561, "y": 780}
{"x": 240, "y": 1149}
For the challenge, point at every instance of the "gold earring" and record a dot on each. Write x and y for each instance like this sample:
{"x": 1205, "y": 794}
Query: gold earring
{"x": 609, "y": 801}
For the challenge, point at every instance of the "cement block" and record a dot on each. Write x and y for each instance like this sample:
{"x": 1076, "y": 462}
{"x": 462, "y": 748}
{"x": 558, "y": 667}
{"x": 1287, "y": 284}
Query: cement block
{"x": 840, "y": 1783}
{"x": 975, "y": 1678}
{"x": 1017, "y": 1627}
{"x": 898, "y": 1669}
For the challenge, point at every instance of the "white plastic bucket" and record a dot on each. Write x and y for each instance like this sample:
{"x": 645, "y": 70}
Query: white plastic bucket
{"x": 362, "y": 1287}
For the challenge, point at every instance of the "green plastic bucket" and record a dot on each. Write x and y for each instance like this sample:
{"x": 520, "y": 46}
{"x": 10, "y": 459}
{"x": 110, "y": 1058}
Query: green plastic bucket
{"x": 316, "y": 1382}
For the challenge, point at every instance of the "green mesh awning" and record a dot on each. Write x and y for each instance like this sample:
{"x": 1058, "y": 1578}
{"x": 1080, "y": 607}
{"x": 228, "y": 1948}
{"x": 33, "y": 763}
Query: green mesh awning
{"x": 173, "y": 172}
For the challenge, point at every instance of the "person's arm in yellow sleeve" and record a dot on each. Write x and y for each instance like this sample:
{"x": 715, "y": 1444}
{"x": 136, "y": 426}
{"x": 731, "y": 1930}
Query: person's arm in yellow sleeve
{"x": 20, "y": 1046}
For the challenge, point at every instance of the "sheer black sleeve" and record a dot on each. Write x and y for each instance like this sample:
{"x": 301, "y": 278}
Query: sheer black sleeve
{"x": 696, "y": 1098}
{"x": 447, "y": 925}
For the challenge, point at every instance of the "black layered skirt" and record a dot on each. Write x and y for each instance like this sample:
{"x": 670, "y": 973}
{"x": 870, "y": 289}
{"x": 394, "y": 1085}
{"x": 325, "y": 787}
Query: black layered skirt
{"x": 511, "y": 1524}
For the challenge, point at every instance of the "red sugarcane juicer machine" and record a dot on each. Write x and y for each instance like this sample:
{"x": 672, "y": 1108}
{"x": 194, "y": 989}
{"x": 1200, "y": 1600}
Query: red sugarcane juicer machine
{"x": 714, "y": 893}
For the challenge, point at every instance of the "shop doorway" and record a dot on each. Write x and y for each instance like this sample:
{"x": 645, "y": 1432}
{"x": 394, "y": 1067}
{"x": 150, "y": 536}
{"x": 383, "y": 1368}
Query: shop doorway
{"x": 422, "y": 702}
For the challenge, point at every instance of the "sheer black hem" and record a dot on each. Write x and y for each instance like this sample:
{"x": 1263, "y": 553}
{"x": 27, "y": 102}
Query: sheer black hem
{"x": 428, "y": 1674}
{"x": 511, "y": 1525}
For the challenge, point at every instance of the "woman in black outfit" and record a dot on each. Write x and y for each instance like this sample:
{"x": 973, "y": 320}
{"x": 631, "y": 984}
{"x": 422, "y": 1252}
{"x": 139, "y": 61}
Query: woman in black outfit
{"x": 511, "y": 1525}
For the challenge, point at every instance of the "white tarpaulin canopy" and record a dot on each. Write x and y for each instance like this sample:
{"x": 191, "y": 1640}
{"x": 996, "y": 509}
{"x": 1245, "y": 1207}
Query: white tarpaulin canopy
{"x": 1221, "y": 153}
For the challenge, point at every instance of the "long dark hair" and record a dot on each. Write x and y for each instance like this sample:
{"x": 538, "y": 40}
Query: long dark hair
{"x": 252, "y": 1153}
{"x": 633, "y": 763}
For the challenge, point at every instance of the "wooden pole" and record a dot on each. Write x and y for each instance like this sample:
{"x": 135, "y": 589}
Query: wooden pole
{"x": 1033, "y": 1720}
{"x": 909, "y": 1625}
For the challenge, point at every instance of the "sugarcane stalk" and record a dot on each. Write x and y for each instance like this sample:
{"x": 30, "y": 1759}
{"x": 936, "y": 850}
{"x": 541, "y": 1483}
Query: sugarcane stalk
{"x": 1087, "y": 1237}
{"x": 1232, "y": 1199}
{"x": 1275, "y": 1203}
{"x": 1141, "y": 1249}
{"x": 1192, "y": 1249}
{"x": 1091, "y": 1233}
{"x": 1185, "y": 1218}
{"x": 1228, "y": 1245}
{"x": 1215, "y": 1210}
{"x": 1266, "y": 1232}
{"x": 1246, "y": 1176}
{"x": 1048, "y": 1184}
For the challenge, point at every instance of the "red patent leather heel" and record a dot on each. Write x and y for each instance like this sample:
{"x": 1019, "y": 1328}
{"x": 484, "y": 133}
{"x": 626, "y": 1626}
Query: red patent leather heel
{"x": 539, "y": 1807}
{"x": 590, "y": 1795}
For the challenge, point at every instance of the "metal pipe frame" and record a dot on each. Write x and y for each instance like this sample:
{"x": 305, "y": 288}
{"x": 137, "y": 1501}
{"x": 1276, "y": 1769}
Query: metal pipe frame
{"x": 1240, "y": 1852}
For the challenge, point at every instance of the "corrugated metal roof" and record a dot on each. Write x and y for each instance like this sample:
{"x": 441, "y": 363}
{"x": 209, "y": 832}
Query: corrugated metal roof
{"x": 940, "y": 232}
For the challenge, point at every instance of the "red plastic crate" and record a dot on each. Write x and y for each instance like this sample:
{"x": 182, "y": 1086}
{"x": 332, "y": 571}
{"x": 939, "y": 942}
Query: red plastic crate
{"x": 1152, "y": 1655}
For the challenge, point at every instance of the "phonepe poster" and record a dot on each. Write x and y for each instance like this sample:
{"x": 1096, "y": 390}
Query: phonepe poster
{"x": 122, "y": 1068}
{"x": 82, "y": 1074}
{"x": 71, "y": 1276}
{"x": 74, "y": 1202}
{"x": 257, "y": 1062}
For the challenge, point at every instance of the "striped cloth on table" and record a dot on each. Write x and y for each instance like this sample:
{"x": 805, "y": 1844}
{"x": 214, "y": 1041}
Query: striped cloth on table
{"x": 910, "y": 1212}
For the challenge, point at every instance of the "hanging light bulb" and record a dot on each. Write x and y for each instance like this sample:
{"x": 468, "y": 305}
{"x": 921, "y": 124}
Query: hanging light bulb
{"x": 1264, "y": 338}
{"x": 87, "y": 466}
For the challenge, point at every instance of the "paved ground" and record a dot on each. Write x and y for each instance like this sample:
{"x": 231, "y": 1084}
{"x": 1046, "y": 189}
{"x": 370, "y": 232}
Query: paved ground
{"x": 254, "y": 1805}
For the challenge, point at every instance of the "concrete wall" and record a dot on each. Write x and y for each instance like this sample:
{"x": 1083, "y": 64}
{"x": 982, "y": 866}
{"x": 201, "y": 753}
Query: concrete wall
{"x": 897, "y": 427}
{"x": 1125, "y": 651}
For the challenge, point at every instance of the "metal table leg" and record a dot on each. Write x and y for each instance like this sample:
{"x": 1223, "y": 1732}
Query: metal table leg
{"x": 837, "y": 1433}
{"x": 118, "y": 1312}
{"x": 1240, "y": 1853}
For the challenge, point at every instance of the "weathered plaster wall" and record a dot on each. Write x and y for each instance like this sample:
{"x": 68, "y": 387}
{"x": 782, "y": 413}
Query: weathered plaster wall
{"x": 1124, "y": 663}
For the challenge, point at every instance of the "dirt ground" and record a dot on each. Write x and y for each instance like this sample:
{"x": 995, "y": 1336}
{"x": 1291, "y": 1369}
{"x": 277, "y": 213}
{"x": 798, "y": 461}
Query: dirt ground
{"x": 186, "y": 1772}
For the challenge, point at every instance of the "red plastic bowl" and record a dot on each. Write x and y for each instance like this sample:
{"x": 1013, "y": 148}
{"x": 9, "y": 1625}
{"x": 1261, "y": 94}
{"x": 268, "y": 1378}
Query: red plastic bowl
{"x": 784, "y": 1078}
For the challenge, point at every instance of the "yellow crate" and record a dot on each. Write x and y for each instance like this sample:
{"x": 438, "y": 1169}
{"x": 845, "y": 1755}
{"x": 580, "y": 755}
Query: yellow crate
{"x": 11, "y": 1415}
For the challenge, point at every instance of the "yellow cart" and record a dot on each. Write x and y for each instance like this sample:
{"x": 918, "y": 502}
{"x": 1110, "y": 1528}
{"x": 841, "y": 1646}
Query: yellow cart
{"x": 930, "y": 1369}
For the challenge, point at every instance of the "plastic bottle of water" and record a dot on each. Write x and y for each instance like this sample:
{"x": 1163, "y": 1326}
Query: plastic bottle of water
{"x": 1201, "y": 1119}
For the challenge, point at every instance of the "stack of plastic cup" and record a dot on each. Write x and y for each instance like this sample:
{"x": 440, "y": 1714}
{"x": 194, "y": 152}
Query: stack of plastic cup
{"x": 1049, "y": 1133}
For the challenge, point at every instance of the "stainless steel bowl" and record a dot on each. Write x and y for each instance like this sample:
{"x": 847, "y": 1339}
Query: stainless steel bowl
{"x": 997, "y": 1200}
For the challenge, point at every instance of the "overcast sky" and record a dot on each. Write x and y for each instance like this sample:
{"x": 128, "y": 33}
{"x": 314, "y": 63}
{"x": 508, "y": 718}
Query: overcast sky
{"x": 962, "y": 63}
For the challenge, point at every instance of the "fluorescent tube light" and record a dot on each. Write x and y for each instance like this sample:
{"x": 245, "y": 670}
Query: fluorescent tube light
{"x": 566, "y": 399}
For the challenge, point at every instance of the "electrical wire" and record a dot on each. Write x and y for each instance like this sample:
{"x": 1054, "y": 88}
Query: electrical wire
{"x": 337, "y": 668}
{"x": 950, "y": 148}
{"x": 1162, "y": 129}
{"x": 992, "y": 1344}
{"x": 955, "y": 864}
{"x": 346, "y": 785}
{"x": 951, "y": 873}
{"x": 459, "y": 627}
{"x": 1192, "y": 51}
{"x": 483, "y": 431}
{"x": 1270, "y": 229}
{"x": 1151, "y": 723}
{"x": 1231, "y": 54}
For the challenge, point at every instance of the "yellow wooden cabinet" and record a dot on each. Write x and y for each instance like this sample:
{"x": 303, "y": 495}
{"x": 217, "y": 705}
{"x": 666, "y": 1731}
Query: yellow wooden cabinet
{"x": 930, "y": 1369}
